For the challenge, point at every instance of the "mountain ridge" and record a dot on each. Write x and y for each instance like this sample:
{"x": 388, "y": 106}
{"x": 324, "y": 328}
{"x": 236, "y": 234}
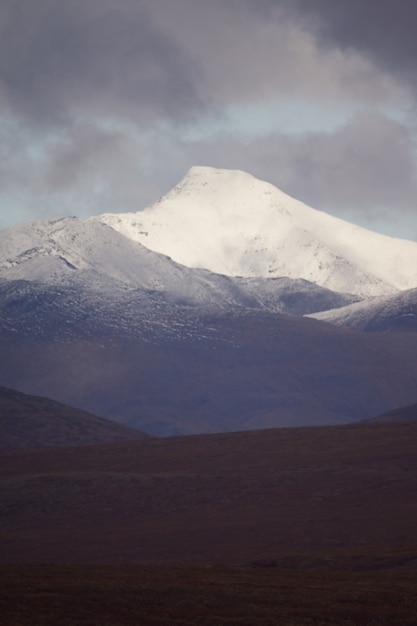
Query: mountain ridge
{"x": 90, "y": 254}
{"x": 222, "y": 224}
{"x": 231, "y": 223}
{"x": 396, "y": 312}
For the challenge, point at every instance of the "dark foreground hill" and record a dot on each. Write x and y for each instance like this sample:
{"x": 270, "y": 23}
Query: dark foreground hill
{"x": 211, "y": 596}
{"x": 238, "y": 497}
{"x": 402, "y": 413}
{"x": 311, "y": 526}
{"x": 31, "y": 421}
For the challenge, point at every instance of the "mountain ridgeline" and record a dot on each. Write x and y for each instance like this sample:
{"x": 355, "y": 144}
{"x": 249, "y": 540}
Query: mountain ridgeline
{"x": 196, "y": 314}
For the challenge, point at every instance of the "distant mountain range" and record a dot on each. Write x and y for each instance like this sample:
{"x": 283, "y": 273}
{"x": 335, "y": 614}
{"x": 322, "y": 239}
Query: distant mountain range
{"x": 189, "y": 316}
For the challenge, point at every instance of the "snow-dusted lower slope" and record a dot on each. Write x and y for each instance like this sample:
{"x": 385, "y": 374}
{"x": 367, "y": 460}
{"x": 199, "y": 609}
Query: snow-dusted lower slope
{"x": 89, "y": 255}
{"x": 385, "y": 313}
{"x": 232, "y": 223}
{"x": 51, "y": 250}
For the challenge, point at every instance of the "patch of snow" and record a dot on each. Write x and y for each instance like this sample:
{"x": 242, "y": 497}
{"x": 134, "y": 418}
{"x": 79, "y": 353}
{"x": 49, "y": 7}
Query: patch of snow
{"x": 374, "y": 313}
{"x": 88, "y": 254}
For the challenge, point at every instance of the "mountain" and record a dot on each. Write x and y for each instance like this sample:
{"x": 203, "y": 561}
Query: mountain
{"x": 397, "y": 312}
{"x": 93, "y": 318}
{"x": 232, "y": 223}
{"x": 90, "y": 256}
{"x": 29, "y": 421}
{"x": 166, "y": 368}
{"x": 235, "y": 231}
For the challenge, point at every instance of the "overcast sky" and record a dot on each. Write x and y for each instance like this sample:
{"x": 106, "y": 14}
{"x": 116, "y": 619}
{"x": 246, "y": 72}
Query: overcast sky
{"x": 105, "y": 104}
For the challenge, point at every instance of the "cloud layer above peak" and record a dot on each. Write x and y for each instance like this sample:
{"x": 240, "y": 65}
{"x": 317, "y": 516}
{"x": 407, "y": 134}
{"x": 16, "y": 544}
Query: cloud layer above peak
{"x": 104, "y": 105}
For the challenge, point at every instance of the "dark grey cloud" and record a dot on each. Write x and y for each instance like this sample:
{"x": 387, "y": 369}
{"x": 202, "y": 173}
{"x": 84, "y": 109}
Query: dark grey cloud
{"x": 382, "y": 29}
{"x": 172, "y": 61}
{"x": 58, "y": 59}
{"x": 367, "y": 164}
{"x": 82, "y": 152}
{"x": 249, "y": 50}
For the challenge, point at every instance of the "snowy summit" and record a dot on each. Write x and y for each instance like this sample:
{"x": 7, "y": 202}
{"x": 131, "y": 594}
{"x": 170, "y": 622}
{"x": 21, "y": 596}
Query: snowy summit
{"x": 229, "y": 222}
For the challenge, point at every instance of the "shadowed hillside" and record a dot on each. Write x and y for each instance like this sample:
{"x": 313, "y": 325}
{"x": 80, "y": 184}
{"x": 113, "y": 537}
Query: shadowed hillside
{"x": 402, "y": 413}
{"x": 31, "y": 421}
{"x": 291, "y": 526}
{"x": 186, "y": 373}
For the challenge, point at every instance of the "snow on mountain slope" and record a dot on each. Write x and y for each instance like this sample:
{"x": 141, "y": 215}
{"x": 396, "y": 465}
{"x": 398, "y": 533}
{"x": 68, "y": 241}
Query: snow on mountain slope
{"x": 70, "y": 250}
{"x": 90, "y": 255}
{"x": 385, "y": 313}
{"x": 232, "y": 223}
{"x": 50, "y": 250}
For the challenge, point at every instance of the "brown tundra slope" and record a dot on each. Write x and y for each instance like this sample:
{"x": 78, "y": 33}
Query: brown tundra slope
{"x": 259, "y": 496}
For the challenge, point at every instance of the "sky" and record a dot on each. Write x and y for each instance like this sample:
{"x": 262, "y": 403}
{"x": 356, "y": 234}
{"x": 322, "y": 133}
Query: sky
{"x": 105, "y": 104}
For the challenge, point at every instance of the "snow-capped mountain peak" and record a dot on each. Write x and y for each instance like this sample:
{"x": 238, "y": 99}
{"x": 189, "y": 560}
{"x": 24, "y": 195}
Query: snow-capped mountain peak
{"x": 225, "y": 222}
{"x": 229, "y": 222}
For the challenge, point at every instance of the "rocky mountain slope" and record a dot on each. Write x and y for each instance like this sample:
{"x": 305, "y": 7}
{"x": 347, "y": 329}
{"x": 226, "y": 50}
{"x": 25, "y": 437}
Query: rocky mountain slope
{"x": 90, "y": 256}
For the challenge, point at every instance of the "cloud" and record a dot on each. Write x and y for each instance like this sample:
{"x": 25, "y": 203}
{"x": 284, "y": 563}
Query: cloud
{"x": 382, "y": 29}
{"x": 255, "y": 50}
{"x": 154, "y": 60}
{"x": 366, "y": 166}
{"x": 62, "y": 60}
{"x": 104, "y": 105}
{"x": 369, "y": 163}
